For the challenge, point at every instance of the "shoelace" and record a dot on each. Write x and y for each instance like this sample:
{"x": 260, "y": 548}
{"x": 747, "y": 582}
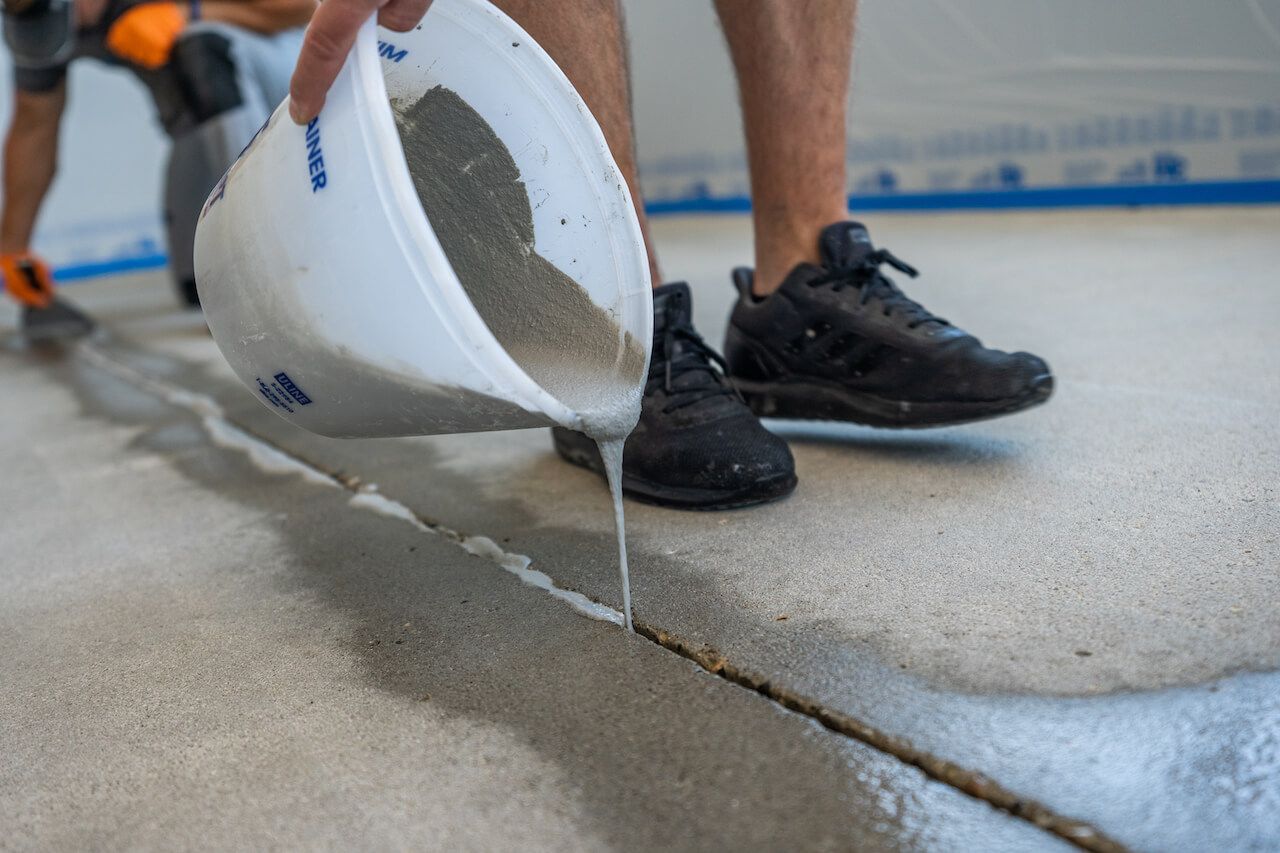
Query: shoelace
{"x": 865, "y": 274}
{"x": 695, "y": 357}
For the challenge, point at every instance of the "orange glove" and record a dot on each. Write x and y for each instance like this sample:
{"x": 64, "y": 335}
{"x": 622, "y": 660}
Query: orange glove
{"x": 145, "y": 34}
{"x": 27, "y": 278}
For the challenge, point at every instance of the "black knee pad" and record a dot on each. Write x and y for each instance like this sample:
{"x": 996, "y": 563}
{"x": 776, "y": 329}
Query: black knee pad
{"x": 206, "y": 74}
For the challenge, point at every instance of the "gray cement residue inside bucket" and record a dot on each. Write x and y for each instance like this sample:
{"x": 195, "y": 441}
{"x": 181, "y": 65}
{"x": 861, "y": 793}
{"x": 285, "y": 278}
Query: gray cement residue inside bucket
{"x": 471, "y": 191}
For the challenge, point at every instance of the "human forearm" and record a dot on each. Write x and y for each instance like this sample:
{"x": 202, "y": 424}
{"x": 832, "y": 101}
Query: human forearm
{"x": 263, "y": 16}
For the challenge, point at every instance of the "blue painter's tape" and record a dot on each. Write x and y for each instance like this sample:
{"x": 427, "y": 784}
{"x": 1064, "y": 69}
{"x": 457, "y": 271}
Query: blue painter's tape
{"x": 80, "y": 272}
{"x": 701, "y": 204}
{"x": 1191, "y": 192}
{"x": 1185, "y": 193}
{"x": 76, "y": 272}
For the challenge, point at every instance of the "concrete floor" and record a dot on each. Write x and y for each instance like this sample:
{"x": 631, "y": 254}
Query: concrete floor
{"x": 1076, "y": 604}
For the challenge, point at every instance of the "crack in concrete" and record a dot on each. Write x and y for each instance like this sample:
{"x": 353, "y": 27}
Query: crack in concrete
{"x": 519, "y": 565}
{"x": 274, "y": 459}
{"x": 966, "y": 781}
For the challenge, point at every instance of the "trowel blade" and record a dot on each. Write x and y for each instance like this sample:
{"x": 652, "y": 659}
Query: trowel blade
{"x": 60, "y": 320}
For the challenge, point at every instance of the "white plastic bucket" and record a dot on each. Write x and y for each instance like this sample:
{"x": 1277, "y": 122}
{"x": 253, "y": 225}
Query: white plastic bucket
{"x": 326, "y": 287}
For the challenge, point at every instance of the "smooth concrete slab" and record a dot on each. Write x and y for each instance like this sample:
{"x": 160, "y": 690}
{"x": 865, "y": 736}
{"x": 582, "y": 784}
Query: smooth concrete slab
{"x": 197, "y": 653}
{"x": 1069, "y": 600}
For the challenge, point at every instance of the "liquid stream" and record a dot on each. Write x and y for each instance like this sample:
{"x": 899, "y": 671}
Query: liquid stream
{"x": 611, "y": 454}
{"x": 478, "y": 205}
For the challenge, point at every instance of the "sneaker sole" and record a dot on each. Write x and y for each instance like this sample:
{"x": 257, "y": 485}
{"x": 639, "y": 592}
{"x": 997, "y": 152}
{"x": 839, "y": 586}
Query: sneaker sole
{"x": 583, "y": 453}
{"x": 817, "y": 402}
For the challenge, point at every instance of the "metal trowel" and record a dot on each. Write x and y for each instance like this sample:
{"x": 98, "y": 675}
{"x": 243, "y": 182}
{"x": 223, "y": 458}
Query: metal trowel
{"x": 57, "y": 321}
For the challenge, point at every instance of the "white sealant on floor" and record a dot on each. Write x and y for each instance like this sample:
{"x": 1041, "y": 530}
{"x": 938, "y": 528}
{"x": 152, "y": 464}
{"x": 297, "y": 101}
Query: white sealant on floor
{"x": 262, "y": 455}
{"x": 212, "y": 418}
{"x": 368, "y": 498}
{"x": 484, "y": 547}
{"x": 273, "y": 460}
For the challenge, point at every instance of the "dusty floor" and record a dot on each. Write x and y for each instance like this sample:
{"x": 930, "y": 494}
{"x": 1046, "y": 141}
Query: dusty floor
{"x": 1076, "y": 606}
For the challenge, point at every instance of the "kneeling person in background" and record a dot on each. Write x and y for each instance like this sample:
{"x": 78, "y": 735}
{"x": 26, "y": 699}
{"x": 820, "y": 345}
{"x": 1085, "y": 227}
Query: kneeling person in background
{"x": 215, "y": 69}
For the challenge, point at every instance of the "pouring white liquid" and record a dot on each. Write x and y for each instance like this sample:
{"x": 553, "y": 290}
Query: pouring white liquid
{"x": 608, "y": 423}
{"x": 471, "y": 190}
{"x": 611, "y": 454}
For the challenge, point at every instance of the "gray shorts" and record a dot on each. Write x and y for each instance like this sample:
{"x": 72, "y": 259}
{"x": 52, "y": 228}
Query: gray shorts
{"x": 223, "y": 84}
{"x": 260, "y": 68}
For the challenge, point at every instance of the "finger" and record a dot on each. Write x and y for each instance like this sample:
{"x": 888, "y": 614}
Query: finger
{"x": 329, "y": 37}
{"x": 403, "y": 15}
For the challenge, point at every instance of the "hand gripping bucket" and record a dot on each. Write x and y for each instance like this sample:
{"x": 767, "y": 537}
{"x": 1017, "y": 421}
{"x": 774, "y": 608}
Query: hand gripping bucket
{"x": 331, "y": 294}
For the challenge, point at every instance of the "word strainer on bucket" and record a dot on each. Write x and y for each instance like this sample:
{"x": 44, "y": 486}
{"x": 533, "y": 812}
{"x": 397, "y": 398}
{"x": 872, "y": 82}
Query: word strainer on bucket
{"x": 449, "y": 247}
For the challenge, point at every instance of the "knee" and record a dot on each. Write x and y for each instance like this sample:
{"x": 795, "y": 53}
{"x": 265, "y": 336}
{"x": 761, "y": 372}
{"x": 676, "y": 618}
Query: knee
{"x": 205, "y": 70}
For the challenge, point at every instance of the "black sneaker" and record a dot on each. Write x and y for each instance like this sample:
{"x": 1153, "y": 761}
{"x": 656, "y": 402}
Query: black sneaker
{"x": 697, "y": 445}
{"x": 842, "y": 342}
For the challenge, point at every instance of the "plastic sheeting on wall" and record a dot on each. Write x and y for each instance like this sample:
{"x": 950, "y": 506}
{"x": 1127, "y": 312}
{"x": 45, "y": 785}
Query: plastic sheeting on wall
{"x": 955, "y": 103}
{"x": 995, "y": 103}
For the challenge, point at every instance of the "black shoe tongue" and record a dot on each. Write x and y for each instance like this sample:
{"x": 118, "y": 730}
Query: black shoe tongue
{"x": 673, "y": 308}
{"x": 844, "y": 244}
{"x": 672, "y": 303}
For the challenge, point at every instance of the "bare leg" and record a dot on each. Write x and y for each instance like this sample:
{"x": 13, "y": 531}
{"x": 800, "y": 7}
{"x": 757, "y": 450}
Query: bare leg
{"x": 587, "y": 40}
{"x": 792, "y": 58}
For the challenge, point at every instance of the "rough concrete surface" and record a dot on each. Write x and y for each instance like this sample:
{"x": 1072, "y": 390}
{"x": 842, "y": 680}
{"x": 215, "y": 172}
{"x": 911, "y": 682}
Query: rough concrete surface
{"x": 200, "y": 654}
{"x": 1078, "y": 602}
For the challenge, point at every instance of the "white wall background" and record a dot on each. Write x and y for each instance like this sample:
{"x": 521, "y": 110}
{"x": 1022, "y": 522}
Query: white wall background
{"x": 965, "y": 95}
{"x": 949, "y": 96}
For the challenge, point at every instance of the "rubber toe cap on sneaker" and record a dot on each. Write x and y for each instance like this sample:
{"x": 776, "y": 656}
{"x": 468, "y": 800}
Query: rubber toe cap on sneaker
{"x": 708, "y": 467}
{"x": 990, "y": 375}
{"x": 1033, "y": 373}
{"x": 729, "y": 456}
